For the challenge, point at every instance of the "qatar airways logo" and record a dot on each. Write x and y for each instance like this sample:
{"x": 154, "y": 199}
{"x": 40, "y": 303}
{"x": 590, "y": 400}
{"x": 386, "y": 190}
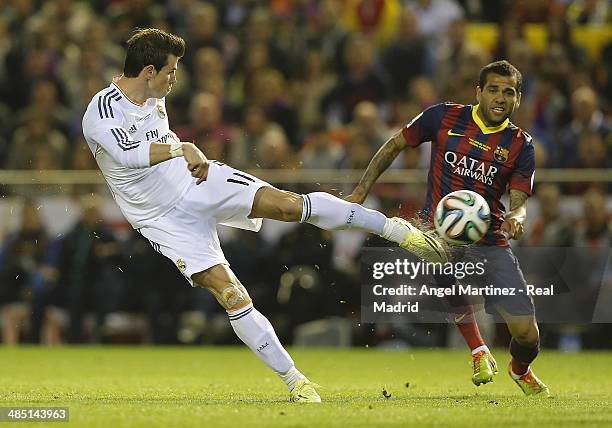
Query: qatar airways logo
{"x": 472, "y": 168}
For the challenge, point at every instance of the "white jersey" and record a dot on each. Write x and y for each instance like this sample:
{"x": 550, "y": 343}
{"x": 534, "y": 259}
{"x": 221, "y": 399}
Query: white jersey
{"x": 119, "y": 134}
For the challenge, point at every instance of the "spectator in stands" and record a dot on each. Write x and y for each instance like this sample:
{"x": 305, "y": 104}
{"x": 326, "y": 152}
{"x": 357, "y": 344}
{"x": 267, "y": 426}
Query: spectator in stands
{"x": 256, "y": 57}
{"x": 603, "y": 69}
{"x": 532, "y": 11}
{"x": 262, "y": 28}
{"x": 310, "y": 86}
{"x": 327, "y": 35}
{"x": 37, "y": 145}
{"x": 274, "y": 152}
{"x": 452, "y": 52}
{"x": 592, "y": 151}
{"x": 590, "y": 12}
{"x": 559, "y": 31}
{"x": 319, "y": 151}
{"x": 270, "y": 91}
{"x": 256, "y": 126}
{"x": 358, "y": 152}
{"x": 26, "y": 268}
{"x": 434, "y": 17}
{"x": 362, "y": 82}
{"x": 90, "y": 265}
{"x": 207, "y": 62}
{"x": 549, "y": 103}
{"x": 206, "y": 128}
{"x": 376, "y": 19}
{"x": 407, "y": 56}
{"x": 45, "y": 102}
{"x": 521, "y": 54}
{"x": 593, "y": 230}
{"x": 550, "y": 228}
{"x": 203, "y": 31}
{"x": 524, "y": 118}
{"x": 368, "y": 123}
{"x": 586, "y": 117}
{"x": 593, "y": 237}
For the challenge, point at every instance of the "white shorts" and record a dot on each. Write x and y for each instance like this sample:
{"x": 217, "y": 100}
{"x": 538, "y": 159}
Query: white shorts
{"x": 187, "y": 234}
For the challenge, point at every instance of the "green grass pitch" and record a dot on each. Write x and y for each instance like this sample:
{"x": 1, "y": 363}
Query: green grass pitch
{"x": 229, "y": 387}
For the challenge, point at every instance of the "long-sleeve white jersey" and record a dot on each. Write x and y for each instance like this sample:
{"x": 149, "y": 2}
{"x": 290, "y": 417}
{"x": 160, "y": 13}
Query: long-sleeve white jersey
{"x": 119, "y": 134}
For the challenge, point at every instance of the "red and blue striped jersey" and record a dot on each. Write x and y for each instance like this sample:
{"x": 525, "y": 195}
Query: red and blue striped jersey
{"x": 466, "y": 154}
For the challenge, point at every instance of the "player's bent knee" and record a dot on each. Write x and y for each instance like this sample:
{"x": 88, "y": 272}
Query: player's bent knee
{"x": 231, "y": 296}
{"x": 525, "y": 333}
{"x": 226, "y": 288}
{"x": 234, "y": 297}
{"x": 276, "y": 204}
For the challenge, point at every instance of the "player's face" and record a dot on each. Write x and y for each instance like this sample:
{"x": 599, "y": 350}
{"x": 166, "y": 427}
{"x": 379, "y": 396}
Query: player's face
{"x": 497, "y": 99}
{"x": 161, "y": 83}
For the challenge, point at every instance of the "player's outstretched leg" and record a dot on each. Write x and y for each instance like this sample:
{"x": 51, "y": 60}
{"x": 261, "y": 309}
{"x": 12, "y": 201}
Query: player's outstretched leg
{"x": 255, "y": 330}
{"x": 524, "y": 348}
{"x": 331, "y": 213}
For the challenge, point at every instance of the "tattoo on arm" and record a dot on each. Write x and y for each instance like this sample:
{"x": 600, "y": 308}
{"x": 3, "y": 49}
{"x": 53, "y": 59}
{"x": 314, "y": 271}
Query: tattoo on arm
{"x": 518, "y": 205}
{"x": 381, "y": 161}
{"x": 517, "y": 199}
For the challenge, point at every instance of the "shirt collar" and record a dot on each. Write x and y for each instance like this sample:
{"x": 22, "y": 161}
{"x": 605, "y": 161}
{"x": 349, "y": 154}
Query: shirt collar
{"x": 484, "y": 128}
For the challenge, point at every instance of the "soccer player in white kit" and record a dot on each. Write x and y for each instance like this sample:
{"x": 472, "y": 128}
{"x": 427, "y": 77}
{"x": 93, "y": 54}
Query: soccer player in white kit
{"x": 175, "y": 197}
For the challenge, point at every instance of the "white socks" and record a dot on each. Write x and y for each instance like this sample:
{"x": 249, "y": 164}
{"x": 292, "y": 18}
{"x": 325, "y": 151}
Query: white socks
{"x": 481, "y": 348}
{"x": 258, "y": 334}
{"x": 391, "y": 231}
{"x": 330, "y": 213}
{"x": 291, "y": 377}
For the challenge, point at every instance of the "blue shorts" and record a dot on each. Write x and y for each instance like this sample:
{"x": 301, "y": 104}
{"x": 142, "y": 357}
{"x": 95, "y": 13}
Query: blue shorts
{"x": 501, "y": 272}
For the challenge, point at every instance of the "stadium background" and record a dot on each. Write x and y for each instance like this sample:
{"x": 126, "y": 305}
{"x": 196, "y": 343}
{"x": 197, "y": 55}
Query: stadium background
{"x": 301, "y": 93}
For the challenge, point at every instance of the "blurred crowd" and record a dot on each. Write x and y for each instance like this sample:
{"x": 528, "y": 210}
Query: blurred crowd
{"x": 302, "y": 83}
{"x": 310, "y": 84}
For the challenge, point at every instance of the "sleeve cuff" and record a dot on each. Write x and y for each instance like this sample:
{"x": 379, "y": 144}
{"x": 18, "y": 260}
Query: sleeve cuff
{"x": 144, "y": 155}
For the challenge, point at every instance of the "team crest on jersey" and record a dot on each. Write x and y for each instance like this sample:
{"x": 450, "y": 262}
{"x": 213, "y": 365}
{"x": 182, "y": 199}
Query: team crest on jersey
{"x": 501, "y": 154}
{"x": 180, "y": 263}
{"x": 132, "y": 129}
{"x": 160, "y": 111}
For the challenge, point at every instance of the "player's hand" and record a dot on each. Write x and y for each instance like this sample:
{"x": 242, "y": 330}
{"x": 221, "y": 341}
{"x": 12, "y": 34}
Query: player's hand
{"x": 355, "y": 197}
{"x": 512, "y": 228}
{"x": 197, "y": 163}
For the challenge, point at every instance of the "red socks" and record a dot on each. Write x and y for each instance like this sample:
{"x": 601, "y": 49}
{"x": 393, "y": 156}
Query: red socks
{"x": 463, "y": 313}
{"x": 466, "y": 323}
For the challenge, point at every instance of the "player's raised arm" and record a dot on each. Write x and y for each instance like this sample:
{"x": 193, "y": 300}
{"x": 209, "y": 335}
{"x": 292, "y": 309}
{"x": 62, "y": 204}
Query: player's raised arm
{"x": 379, "y": 163}
{"x": 521, "y": 187}
{"x": 515, "y": 219}
{"x": 418, "y": 131}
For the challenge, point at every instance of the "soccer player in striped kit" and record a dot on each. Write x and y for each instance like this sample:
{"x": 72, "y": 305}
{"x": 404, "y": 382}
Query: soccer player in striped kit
{"x": 476, "y": 147}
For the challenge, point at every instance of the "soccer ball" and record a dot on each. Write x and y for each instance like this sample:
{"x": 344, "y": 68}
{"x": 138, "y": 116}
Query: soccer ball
{"x": 462, "y": 217}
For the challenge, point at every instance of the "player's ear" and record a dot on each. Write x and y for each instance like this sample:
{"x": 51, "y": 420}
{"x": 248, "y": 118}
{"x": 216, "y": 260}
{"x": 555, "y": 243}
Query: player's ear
{"x": 518, "y": 100}
{"x": 148, "y": 71}
{"x": 478, "y": 93}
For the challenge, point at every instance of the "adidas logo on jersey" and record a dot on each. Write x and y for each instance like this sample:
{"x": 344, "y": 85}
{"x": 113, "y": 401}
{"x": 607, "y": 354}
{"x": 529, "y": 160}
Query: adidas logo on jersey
{"x": 132, "y": 129}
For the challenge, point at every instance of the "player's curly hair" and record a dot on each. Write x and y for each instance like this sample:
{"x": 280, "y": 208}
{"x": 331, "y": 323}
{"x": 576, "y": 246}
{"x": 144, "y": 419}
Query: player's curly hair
{"x": 150, "y": 46}
{"x": 503, "y": 68}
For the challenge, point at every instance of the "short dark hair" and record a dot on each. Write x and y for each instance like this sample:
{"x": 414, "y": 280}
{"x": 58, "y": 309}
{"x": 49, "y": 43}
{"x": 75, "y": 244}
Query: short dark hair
{"x": 150, "y": 46}
{"x": 503, "y": 68}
